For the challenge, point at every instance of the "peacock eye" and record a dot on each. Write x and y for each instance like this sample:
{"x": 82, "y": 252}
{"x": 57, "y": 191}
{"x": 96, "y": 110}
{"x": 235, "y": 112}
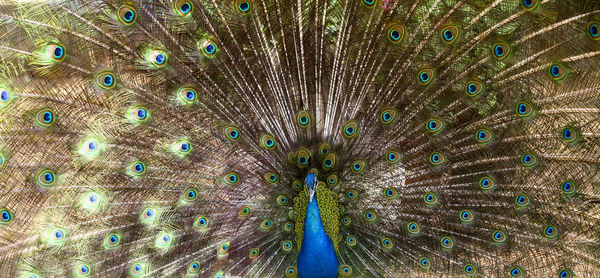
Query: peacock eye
{"x": 267, "y": 141}
{"x": 45, "y": 117}
{"x": 395, "y": 33}
{"x": 45, "y": 178}
{"x": 183, "y": 7}
{"x": 350, "y": 129}
{"x": 426, "y": 76}
{"x": 501, "y": 50}
{"x": 434, "y": 125}
{"x": 208, "y": 48}
{"x": 450, "y": 34}
{"x": 243, "y": 6}
{"x": 105, "y": 80}
{"x": 126, "y": 14}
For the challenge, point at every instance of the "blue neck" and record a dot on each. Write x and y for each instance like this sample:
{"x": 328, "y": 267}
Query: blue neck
{"x": 317, "y": 258}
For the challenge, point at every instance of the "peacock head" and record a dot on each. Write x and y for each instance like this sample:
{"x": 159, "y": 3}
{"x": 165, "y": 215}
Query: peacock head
{"x": 311, "y": 185}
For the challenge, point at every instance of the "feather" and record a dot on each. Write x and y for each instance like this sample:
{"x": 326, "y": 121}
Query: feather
{"x": 350, "y": 138}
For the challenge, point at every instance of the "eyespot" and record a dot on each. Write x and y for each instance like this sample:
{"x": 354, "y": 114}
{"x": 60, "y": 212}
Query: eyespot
{"x": 201, "y": 222}
{"x": 565, "y": 273}
{"x": 231, "y": 178}
{"x": 267, "y": 141}
{"x": 282, "y": 200}
{"x": 231, "y": 132}
{"x": 56, "y": 52}
{"x": 163, "y": 240}
{"x": 245, "y": 211}
{"x": 291, "y": 271}
{"x": 187, "y": 95}
{"x": 136, "y": 168}
{"x": 126, "y": 14}
{"x": 484, "y": 135}
{"x": 529, "y": 4}
{"x": 190, "y": 194}
{"x": 436, "y": 158}
{"x": 569, "y": 188}
{"x": 425, "y": 76}
{"x": 223, "y": 248}
{"x": 350, "y": 129}
{"x": 395, "y": 33}
{"x": 388, "y": 115}
{"x": 82, "y": 270}
{"x": 106, "y": 80}
{"x": 45, "y": 117}
{"x": 500, "y": 50}
{"x": 352, "y": 194}
{"x": 5, "y": 96}
{"x": 286, "y": 245}
{"x": 303, "y": 118}
{"x": 424, "y": 263}
{"x": 266, "y": 224}
{"x": 148, "y": 215}
{"x": 516, "y": 271}
{"x": 592, "y": 30}
{"x": 288, "y": 227}
{"x": 45, "y": 178}
{"x": 499, "y": 236}
{"x": 413, "y": 228}
{"x": 447, "y": 242}
{"x": 466, "y": 216}
{"x": 369, "y": 3}
{"x": 431, "y": 199}
{"x": 332, "y": 180}
{"x": 569, "y": 135}
{"x": 291, "y": 214}
{"x": 390, "y": 193}
{"x": 56, "y": 236}
{"x": 358, "y": 166}
{"x": 474, "y": 88}
{"x": 112, "y": 240}
{"x": 522, "y": 201}
{"x": 387, "y": 243}
{"x": 193, "y": 267}
{"x": 91, "y": 201}
{"x": 183, "y": 7}
{"x": 243, "y": 6}
{"x": 450, "y": 34}
{"x": 551, "y": 232}
{"x": 303, "y": 157}
{"x": 182, "y": 147}
{"x": 369, "y": 215}
{"x": 219, "y": 275}
{"x": 346, "y": 220}
{"x": 351, "y": 241}
{"x": 470, "y": 269}
{"x": 434, "y": 125}
{"x": 529, "y": 159}
{"x": 346, "y": 270}
{"x": 324, "y": 149}
{"x": 137, "y": 269}
{"x": 487, "y": 183}
{"x": 557, "y": 71}
{"x": 30, "y": 275}
{"x": 158, "y": 58}
{"x": 90, "y": 147}
{"x": 139, "y": 114}
{"x": 393, "y": 157}
{"x": 6, "y": 216}
{"x": 297, "y": 185}
{"x": 2, "y": 160}
{"x": 253, "y": 253}
{"x": 341, "y": 208}
{"x": 208, "y": 48}
{"x": 329, "y": 161}
{"x": 271, "y": 177}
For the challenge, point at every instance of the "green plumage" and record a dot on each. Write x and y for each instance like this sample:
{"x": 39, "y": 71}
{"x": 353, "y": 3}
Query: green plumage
{"x": 164, "y": 138}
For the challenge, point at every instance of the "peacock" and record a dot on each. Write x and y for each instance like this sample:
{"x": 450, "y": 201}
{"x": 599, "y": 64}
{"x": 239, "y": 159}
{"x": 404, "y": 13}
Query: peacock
{"x": 307, "y": 138}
